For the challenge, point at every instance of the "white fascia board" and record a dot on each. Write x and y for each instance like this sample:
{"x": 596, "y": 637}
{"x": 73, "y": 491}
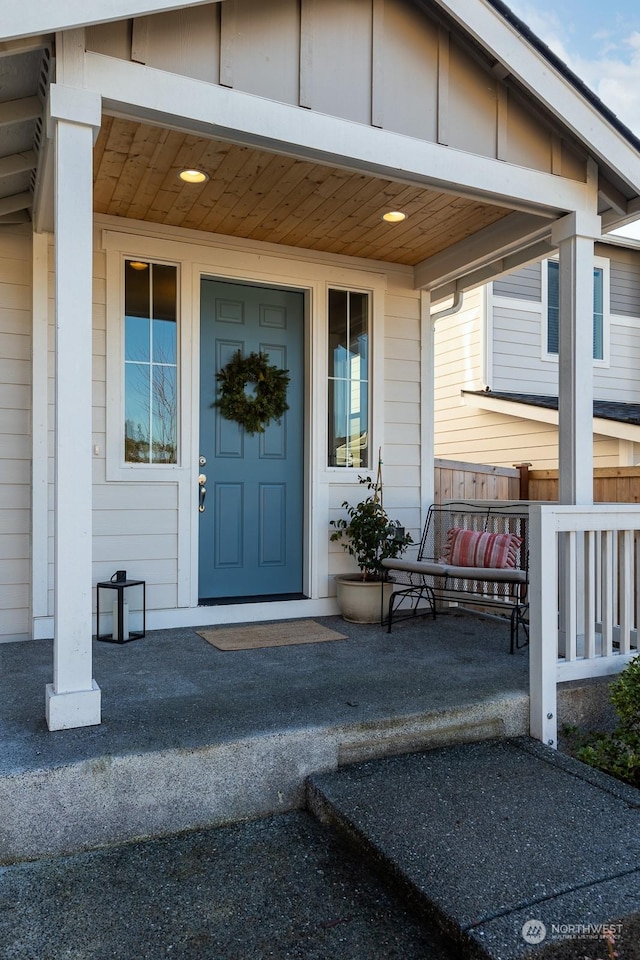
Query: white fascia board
{"x": 510, "y": 408}
{"x": 135, "y": 91}
{"x": 547, "y": 85}
{"x": 470, "y": 279}
{"x": 526, "y": 411}
{"x": 33, "y": 16}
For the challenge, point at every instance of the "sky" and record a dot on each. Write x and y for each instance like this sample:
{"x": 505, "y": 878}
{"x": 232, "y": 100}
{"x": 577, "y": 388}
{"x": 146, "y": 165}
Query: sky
{"x": 600, "y": 42}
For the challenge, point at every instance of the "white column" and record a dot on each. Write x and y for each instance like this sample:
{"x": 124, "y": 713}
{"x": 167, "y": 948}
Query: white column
{"x": 574, "y": 236}
{"x": 73, "y": 699}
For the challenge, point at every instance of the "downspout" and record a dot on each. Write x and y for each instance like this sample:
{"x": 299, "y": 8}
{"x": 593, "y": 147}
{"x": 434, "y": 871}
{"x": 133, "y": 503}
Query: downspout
{"x": 455, "y": 307}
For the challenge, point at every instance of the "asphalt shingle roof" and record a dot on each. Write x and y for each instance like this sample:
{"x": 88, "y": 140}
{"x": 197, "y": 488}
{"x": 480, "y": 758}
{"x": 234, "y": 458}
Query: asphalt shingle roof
{"x": 605, "y": 409}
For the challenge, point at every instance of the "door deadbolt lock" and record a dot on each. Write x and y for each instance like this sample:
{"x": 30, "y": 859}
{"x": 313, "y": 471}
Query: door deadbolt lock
{"x": 202, "y": 461}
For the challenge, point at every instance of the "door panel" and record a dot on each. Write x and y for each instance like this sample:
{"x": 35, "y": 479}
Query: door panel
{"x": 251, "y": 530}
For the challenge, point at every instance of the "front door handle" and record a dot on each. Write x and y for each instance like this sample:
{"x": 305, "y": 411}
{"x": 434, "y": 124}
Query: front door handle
{"x": 203, "y": 492}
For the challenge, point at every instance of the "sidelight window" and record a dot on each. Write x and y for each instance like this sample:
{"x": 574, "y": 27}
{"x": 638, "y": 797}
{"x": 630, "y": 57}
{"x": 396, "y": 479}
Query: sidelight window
{"x": 349, "y": 321}
{"x": 150, "y": 363}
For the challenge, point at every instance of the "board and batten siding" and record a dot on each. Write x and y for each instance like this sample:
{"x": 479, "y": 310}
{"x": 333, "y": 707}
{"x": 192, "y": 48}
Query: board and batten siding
{"x": 386, "y": 63}
{"x": 15, "y": 433}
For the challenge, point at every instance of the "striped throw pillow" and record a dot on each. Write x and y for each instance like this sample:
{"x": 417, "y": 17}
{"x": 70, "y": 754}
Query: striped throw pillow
{"x": 474, "y": 548}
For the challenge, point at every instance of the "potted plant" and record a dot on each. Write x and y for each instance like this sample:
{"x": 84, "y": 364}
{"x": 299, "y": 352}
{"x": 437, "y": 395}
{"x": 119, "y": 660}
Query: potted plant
{"x": 370, "y": 537}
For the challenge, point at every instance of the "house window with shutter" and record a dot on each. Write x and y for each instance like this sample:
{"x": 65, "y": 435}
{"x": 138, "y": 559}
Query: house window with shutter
{"x": 553, "y": 307}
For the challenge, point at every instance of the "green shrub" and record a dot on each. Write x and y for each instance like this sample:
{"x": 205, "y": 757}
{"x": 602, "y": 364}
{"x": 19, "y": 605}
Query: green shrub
{"x": 618, "y": 753}
{"x": 368, "y": 534}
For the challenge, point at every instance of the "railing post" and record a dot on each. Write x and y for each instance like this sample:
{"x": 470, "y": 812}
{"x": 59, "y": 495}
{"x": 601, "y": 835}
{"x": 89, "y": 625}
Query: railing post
{"x": 543, "y": 625}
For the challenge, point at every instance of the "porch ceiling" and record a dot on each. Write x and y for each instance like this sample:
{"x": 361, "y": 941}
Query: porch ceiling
{"x": 258, "y": 195}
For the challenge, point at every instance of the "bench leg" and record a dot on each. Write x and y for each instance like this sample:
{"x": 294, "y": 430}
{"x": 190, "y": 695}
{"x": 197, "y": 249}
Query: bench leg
{"x": 517, "y": 621}
{"x": 418, "y": 594}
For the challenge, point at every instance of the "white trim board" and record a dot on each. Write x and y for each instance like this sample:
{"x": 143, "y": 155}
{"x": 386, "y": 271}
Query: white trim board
{"x": 176, "y": 618}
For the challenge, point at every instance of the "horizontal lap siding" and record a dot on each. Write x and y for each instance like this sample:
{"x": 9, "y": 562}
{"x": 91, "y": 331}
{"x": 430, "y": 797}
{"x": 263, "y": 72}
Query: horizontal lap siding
{"x": 464, "y": 432}
{"x": 458, "y": 366}
{"x": 525, "y": 284}
{"x": 625, "y": 286}
{"x": 517, "y": 351}
{"x": 135, "y": 524}
{"x": 619, "y": 381}
{"x": 15, "y": 433}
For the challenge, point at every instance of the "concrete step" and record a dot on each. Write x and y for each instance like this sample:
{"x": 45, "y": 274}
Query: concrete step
{"x": 67, "y": 800}
{"x": 515, "y": 850}
{"x": 82, "y": 789}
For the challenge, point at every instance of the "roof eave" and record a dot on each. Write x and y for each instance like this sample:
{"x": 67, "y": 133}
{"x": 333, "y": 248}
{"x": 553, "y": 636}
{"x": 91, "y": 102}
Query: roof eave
{"x": 525, "y": 411}
{"x": 492, "y": 25}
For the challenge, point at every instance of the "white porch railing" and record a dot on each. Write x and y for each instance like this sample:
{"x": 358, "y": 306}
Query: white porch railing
{"x": 584, "y": 594}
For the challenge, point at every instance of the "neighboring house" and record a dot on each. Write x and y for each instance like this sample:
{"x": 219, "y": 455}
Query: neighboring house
{"x": 124, "y": 289}
{"x": 497, "y": 366}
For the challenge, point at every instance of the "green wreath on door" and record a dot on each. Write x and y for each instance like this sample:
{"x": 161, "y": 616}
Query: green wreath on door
{"x": 270, "y": 399}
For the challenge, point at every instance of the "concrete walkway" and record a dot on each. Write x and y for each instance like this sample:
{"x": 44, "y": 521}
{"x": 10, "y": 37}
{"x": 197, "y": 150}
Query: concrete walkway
{"x": 276, "y": 889}
{"x": 512, "y": 848}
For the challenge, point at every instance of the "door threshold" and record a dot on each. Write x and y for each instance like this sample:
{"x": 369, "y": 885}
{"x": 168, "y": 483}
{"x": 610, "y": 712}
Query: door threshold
{"x": 261, "y": 598}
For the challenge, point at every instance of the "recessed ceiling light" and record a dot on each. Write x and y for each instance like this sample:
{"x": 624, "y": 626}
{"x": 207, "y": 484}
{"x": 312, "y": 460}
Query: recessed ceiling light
{"x": 193, "y": 176}
{"x": 394, "y": 216}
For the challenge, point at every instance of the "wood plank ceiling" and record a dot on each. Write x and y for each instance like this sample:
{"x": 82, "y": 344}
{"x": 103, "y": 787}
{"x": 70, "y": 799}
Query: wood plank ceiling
{"x": 267, "y": 196}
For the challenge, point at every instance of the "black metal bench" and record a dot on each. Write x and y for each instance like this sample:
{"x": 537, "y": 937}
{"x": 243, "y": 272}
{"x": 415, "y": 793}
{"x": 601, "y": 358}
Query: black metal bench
{"x": 453, "y": 533}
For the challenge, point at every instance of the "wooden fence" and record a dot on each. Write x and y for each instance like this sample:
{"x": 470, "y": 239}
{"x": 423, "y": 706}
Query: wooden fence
{"x": 455, "y": 480}
{"x": 474, "y": 481}
{"x": 610, "y": 485}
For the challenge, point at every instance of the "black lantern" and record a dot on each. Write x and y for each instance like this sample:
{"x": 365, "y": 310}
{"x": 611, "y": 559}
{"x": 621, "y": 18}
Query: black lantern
{"x": 124, "y": 606}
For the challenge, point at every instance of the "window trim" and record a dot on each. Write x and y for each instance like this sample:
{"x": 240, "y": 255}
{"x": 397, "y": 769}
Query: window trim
{"x": 603, "y": 264}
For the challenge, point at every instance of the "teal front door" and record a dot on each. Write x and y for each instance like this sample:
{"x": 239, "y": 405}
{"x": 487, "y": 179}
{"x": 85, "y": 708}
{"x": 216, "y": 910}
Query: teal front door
{"x": 251, "y": 530}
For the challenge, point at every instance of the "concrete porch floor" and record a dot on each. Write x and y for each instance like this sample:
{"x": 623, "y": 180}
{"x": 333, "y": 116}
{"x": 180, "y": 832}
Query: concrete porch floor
{"x": 173, "y": 690}
{"x": 194, "y": 737}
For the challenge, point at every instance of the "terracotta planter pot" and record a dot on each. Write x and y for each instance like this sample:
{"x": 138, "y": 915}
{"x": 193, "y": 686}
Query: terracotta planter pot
{"x": 361, "y": 601}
